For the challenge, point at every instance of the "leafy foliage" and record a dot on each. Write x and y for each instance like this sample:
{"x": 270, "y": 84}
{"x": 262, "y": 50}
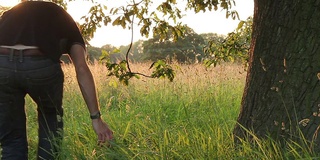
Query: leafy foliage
{"x": 186, "y": 49}
{"x": 234, "y": 47}
{"x": 162, "y": 70}
{"x": 136, "y": 53}
{"x": 150, "y": 21}
{"x": 198, "y": 5}
{"x": 158, "y": 22}
{"x": 93, "y": 20}
{"x": 123, "y": 72}
{"x": 120, "y": 71}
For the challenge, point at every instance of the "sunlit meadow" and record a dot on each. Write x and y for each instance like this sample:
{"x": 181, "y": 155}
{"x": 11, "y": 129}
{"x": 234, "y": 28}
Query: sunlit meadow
{"x": 189, "y": 118}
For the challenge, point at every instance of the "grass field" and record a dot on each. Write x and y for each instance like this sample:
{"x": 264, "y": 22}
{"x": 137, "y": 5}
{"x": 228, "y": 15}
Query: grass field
{"x": 190, "y": 118}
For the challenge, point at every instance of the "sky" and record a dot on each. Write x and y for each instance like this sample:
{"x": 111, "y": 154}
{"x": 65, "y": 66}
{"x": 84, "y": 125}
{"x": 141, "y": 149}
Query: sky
{"x": 208, "y": 22}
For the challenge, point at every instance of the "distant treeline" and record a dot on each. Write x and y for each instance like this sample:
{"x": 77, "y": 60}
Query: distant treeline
{"x": 187, "y": 49}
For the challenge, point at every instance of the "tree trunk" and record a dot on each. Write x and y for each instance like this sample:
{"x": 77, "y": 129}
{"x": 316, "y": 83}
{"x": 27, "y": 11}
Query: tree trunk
{"x": 282, "y": 93}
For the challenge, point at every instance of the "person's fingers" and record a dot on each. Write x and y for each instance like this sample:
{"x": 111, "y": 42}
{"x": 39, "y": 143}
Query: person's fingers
{"x": 105, "y": 137}
{"x": 101, "y": 138}
{"x": 109, "y": 135}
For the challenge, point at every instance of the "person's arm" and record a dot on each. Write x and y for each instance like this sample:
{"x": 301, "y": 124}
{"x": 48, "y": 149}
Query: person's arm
{"x": 88, "y": 90}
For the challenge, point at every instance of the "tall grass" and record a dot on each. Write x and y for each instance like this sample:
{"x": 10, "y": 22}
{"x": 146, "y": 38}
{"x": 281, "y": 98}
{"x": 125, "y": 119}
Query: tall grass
{"x": 190, "y": 118}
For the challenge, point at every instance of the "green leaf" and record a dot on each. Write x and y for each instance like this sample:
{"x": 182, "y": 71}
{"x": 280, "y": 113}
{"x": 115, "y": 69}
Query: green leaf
{"x": 116, "y": 21}
{"x": 240, "y": 25}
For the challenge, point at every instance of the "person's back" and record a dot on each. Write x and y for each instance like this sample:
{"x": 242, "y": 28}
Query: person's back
{"x": 33, "y": 36}
{"x": 42, "y": 24}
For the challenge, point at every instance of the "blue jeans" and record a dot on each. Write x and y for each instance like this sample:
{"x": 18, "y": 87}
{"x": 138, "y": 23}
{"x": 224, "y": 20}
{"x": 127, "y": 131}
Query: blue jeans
{"x": 42, "y": 80}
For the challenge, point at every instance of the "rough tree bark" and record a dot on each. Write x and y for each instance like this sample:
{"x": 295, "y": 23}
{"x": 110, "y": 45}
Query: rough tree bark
{"x": 282, "y": 93}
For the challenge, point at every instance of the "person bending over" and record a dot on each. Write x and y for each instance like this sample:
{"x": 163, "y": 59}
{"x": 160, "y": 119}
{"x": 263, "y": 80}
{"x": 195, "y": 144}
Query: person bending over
{"x": 33, "y": 36}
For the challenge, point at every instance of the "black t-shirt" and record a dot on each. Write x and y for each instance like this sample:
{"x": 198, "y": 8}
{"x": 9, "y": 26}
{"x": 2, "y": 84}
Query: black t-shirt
{"x": 42, "y": 24}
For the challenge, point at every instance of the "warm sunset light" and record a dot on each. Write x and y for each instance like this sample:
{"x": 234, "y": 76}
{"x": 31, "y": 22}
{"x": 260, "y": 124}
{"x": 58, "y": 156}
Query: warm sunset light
{"x": 209, "y": 22}
{"x": 8, "y": 3}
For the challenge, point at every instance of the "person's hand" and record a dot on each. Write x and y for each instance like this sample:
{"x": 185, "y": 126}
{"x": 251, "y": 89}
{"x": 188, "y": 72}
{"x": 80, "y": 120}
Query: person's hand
{"x": 102, "y": 130}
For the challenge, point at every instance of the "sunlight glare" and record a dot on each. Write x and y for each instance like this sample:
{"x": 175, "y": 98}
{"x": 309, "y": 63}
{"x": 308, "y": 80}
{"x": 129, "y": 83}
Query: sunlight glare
{"x": 8, "y": 3}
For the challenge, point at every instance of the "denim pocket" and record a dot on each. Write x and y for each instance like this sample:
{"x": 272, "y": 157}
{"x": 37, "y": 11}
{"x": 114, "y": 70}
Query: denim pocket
{"x": 45, "y": 76}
